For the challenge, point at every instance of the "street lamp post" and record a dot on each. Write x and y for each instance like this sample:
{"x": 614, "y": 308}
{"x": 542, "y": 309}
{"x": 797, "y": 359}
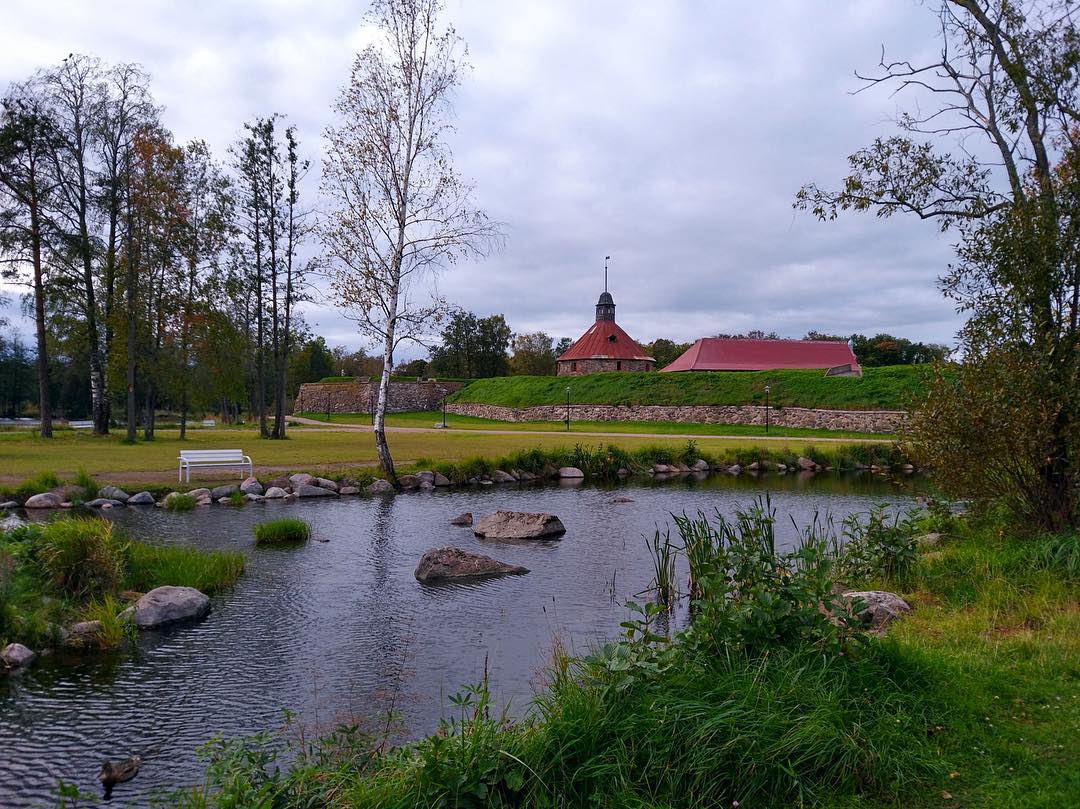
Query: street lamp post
{"x": 567, "y": 408}
{"x": 766, "y": 409}
{"x": 444, "y": 410}
{"x": 328, "y": 404}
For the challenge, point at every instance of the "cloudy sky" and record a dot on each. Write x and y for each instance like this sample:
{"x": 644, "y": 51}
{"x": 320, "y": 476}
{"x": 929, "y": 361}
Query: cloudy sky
{"x": 669, "y": 135}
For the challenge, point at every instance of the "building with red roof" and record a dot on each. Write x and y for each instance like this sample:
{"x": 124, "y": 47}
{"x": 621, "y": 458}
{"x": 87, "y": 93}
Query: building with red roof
{"x": 735, "y": 354}
{"x": 604, "y": 347}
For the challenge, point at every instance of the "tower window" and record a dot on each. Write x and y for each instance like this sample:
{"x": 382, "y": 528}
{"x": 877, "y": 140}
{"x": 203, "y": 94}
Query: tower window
{"x": 611, "y": 338}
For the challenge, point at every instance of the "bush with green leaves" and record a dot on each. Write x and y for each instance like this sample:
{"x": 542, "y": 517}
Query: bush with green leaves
{"x": 878, "y": 546}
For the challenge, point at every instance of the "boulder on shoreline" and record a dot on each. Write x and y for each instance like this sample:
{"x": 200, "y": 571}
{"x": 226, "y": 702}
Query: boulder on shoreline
{"x": 571, "y": 472}
{"x": 519, "y": 525}
{"x": 380, "y": 486}
{"x": 307, "y": 490}
{"x": 301, "y": 479}
{"x": 113, "y": 493}
{"x": 349, "y": 490}
{"x": 465, "y": 518}
{"x": 326, "y": 483}
{"x": 15, "y": 655}
{"x": 275, "y": 493}
{"x": 141, "y": 499}
{"x": 167, "y": 605}
{"x": 880, "y": 608}
{"x": 449, "y": 563}
{"x": 83, "y": 634}
{"x": 441, "y": 480}
{"x": 251, "y": 486}
{"x": 226, "y": 490}
{"x": 499, "y": 476}
{"x": 43, "y": 500}
{"x": 103, "y": 502}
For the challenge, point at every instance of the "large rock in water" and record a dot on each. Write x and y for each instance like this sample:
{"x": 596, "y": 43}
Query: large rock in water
{"x": 442, "y": 564}
{"x": 16, "y": 655}
{"x": 167, "y": 605}
{"x": 464, "y": 518}
{"x": 380, "y": 486}
{"x": 881, "y": 608}
{"x": 251, "y": 486}
{"x": 141, "y": 499}
{"x": 44, "y": 500}
{"x": 519, "y": 525}
{"x": 223, "y": 491}
{"x": 305, "y": 490}
{"x": 113, "y": 493}
{"x": 275, "y": 493}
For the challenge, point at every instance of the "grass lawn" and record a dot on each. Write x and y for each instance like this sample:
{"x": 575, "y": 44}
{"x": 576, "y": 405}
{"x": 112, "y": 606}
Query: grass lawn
{"x": 887, "y": 388}
{"x": 154, "y": 462}
{"x": 427, "y": 419}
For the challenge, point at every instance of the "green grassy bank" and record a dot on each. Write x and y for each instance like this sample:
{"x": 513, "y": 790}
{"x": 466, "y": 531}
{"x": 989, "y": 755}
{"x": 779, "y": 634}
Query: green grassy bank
{"x": 971, "y": 700}
{"x": 78, "y": 568}
{"x": 877, "y": 389}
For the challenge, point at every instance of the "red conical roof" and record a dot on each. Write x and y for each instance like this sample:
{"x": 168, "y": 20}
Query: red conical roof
{"x": 605, "y": 340}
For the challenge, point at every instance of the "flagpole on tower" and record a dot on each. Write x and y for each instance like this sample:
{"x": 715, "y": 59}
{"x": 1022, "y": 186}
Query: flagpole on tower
{"x": 606, "y": 259}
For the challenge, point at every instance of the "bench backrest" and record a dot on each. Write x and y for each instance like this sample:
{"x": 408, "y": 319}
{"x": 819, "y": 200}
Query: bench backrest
{"x": 222, "y": 455}
{"x": 208, "y": 423}
{"x": 80, "y": 425}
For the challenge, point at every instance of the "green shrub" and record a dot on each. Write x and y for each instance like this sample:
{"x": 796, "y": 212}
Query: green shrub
{"x": 179, "y": 502}
{"x": 878, "y": 546}
{"x": 89, "y": 486}
{"x": 37, "y": 484}
{"x": 114, "y": 629}
{"x": 82, "y": 557}
{"x": 151, "y": 566}
{"x": 285, "y": 529}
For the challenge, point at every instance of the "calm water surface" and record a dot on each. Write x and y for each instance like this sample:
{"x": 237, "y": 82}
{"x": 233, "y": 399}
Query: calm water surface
{"x": 334, "y": 630}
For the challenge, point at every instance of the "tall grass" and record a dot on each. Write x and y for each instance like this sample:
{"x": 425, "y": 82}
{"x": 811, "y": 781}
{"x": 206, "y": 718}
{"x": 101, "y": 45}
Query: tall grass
{"x": 87, "y": 483}
{"x": 82, "y": 557}
{"x": 179, "y": 502}
{"x": 151, "y": 566}
{"x": 114, "y": 629}
{"x": 285, "y": 529}
{"x": 42, "y": 482}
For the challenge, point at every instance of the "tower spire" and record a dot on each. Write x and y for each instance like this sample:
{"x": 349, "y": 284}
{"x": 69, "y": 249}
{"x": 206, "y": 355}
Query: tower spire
{"x": 606, "y": 259}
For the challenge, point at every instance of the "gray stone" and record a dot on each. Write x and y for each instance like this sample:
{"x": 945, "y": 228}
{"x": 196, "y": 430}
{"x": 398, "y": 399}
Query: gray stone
{"x": 380, "y": 486}
{"x": 113, "y": 493}
{"x": 700, "y": 465}
{"x": 251, "y": 497}
{"x": 734, "y": 469}
{"x": 281, "y": 483}
{"x": 446, "y": 564}
{"x": 141, "y": 499}
{"x": 349, "y": 490}
{"x": 204, "y": 501}
{"x": 409, "y": 481}
{"x": 663, "y": 469}
{"x": 499, "y": 476}
{"x": 199, "y": 494}
{"x": 880, "y": 608}
{"x": 326, "y": 483}
{"x": 571, "y": 472}
{"x": 251, "y": 486}
{"x": 524, "y": 476}
{"x": 930, "y": 540}
{"x": 755, "y": 466}
{"x": 84, "y": 633}
{"x": 465, "y": 518}
{"x": 806, "y": 464}
{"x": 44, "y": 500}
{"x": 428, "y": 477}
{"x": 275, "y": 493}
{"x": 103, "y": 502}
{"x": 168, "y": 604}
{"x": 219, "y": 492}
{"x": 519, "y": 525}
{"x": 301, "y": 479}
{"x": 441, "y": 480}
{"x": 9, "y": 505}
{"x": 624, "y": 473}
{"x": 313, "y": 491}
{"x": 16, "y": 655}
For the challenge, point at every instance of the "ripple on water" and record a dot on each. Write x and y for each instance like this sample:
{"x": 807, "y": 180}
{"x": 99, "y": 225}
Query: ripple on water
{"x": 338, "y": 629}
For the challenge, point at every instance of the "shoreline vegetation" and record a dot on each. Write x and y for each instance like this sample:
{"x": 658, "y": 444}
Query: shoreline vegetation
{"x": 604, "y": 461}
{"x": 773, "y": 695}
{"x": 79, "y": 568}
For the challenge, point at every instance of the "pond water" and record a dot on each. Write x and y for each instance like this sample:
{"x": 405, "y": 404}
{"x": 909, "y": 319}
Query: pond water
{"x": 338, "y": 629}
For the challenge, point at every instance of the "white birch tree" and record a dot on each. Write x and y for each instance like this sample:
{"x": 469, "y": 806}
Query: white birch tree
{"x": 398, "y": 212}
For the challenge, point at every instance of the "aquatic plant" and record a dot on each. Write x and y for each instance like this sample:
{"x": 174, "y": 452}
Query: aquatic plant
{"x": 151, "y": 566}
{"x": 179, "y": 502}
{"x": 81, "y": 556}
{"x": 664, "y": 584}
{"x": 114, "y": 628}
{"x": 285, "y": 529}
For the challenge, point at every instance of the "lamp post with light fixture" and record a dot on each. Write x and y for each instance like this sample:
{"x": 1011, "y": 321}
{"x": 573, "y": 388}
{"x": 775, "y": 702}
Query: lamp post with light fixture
{"x": 766, "y": 409}
{"x": 567, "y": 408}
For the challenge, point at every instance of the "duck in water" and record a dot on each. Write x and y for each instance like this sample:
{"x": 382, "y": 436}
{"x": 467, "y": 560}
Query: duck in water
{"x": 113, "y": 774}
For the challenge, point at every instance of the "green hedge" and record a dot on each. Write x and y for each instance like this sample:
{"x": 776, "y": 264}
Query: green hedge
{"x": 887, "y": 388}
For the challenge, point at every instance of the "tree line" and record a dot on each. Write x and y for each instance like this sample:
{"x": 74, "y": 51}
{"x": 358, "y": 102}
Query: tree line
{"x": 157, "y": 274}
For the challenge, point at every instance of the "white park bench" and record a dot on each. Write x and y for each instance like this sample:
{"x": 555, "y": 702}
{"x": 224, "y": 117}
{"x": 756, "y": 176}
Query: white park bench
{"x": 80, "y": 425}
{"x": 209, "y": 423}
{"x": 211, "y": 458}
